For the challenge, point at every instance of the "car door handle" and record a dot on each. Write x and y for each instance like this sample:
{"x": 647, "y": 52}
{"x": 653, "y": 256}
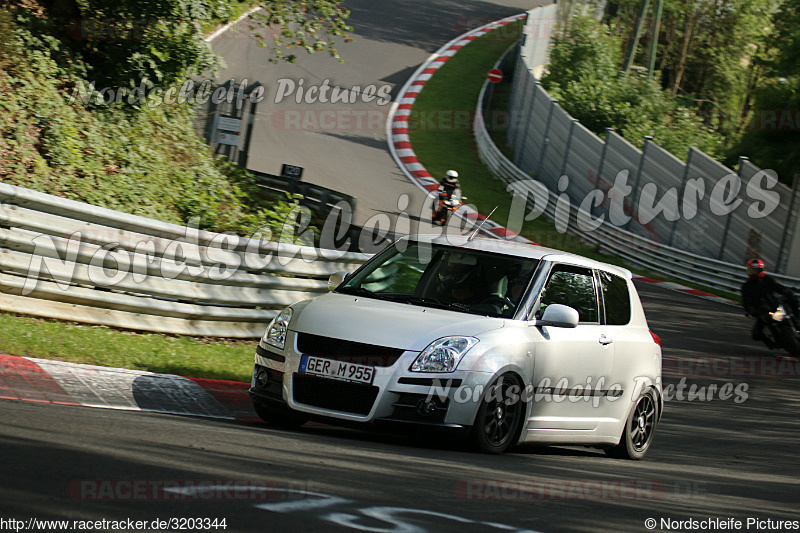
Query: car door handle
{"x": 605, "y": 340}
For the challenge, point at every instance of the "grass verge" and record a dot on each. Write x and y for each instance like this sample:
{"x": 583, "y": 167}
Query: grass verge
{"x": 99, "y": 345}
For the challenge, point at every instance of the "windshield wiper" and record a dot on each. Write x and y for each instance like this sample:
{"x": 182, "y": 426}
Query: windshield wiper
{"x": 430, "y": 302}
{"x": 360, "y": 291}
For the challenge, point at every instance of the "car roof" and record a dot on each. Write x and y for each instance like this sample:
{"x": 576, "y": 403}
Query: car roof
{"x": 518, "y": 249}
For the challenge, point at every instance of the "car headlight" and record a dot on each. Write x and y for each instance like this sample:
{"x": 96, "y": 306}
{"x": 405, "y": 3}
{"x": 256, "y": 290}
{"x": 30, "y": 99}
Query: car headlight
{"x": 443, "y": 355}
{"x": 277, "y": 329}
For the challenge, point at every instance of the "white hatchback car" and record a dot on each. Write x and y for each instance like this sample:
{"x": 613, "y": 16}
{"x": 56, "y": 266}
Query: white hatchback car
{"x": 508, "y": 342}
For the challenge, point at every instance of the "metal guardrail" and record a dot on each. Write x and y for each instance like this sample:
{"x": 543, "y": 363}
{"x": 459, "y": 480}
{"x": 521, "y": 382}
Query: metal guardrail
{"x": 331, "y": 211}
{"x": 73, "y": 261}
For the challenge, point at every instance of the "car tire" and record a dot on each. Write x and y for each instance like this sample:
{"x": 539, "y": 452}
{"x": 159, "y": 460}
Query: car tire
{"x": 499, "y": 416}
{"x": 637, "y": 435}
{"x": 280, "y": 416}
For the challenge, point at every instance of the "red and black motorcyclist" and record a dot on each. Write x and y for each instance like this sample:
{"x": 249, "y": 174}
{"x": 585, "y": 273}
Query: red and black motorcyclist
{"x": 762, "y": 294}
{"x": 449, "y": 189}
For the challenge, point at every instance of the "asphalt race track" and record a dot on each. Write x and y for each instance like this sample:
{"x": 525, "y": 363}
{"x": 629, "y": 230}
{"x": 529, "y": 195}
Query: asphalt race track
{"x": 719, "y": 456}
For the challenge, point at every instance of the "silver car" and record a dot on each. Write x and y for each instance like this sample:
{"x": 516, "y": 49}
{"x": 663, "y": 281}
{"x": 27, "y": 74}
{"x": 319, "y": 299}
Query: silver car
{"x": 504, "y": 342}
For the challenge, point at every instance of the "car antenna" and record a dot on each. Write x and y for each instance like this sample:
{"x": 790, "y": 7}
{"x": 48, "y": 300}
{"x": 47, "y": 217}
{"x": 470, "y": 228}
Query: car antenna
{"x": 481, "y": 225}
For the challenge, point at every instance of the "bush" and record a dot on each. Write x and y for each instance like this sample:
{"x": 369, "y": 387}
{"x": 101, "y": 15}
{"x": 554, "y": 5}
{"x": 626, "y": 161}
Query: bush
{"x": 147, "y": 161}
{"x": 772, "y": 137}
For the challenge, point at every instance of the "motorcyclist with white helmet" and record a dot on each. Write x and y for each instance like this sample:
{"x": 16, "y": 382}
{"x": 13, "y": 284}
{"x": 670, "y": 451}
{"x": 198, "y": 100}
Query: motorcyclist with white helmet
{"x": 449, "y": 191}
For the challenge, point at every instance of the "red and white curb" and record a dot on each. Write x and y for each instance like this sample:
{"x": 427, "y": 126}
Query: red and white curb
{"x": 686, "y": 290}
{"x": 57, "y": 382}
{"x": 397, "y": 126}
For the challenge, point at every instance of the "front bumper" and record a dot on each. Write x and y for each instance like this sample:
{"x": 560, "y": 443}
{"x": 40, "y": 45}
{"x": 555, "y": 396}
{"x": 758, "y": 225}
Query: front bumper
{"x": 396, "y": 396}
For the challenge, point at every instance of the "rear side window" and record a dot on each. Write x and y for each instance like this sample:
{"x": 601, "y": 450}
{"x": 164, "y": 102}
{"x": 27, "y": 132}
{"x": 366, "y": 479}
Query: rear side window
{"x": 572, "y": 286}
{"x": 616, "y": 298}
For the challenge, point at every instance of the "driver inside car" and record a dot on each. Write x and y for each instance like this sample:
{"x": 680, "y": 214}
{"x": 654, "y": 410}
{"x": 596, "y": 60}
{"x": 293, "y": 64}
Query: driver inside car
{"x": 460, "y": 280}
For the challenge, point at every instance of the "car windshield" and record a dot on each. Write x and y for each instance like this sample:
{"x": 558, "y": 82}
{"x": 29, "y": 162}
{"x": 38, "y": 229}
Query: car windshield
{"x": 445, "y": 277}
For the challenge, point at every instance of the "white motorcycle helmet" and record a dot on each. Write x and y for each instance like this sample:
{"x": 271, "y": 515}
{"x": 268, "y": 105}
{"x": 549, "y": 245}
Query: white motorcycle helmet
{"x": 451, "y": 177}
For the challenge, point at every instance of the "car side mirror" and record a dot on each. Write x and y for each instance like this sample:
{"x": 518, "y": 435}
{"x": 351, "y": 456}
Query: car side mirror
{"x": 559, "y": 316}
{"x": 336, "y": 279}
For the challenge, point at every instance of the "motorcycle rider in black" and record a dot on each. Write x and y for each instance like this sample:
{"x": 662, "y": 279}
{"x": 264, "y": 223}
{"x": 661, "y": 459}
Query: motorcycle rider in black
{"x": 761, "y": 294}
{"x": 449, "y": 188}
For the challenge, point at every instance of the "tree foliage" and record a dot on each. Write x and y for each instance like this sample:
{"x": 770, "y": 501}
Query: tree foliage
{"x": 729, "y": 71}
{"x": 785, "y": 40}
{"x": 707, "y": 51}
{"x": 772, "y": 129}
{"x": 584, "y": 75}
{"x": 123, "y": 42}
{"x": 311, "y": 25}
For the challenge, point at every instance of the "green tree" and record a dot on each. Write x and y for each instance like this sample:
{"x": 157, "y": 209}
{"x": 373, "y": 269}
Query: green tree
{"x": 708, "y": 52}
{"x": 585, "y": 77}
{"x": 786, "y": 40}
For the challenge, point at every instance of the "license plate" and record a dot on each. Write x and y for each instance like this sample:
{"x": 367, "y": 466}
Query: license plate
{"x": 329, "y": 368}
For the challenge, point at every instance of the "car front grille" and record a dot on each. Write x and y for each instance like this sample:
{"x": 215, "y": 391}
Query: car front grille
{"x": 347, "y": 351}
{"x": 355, "y": 398}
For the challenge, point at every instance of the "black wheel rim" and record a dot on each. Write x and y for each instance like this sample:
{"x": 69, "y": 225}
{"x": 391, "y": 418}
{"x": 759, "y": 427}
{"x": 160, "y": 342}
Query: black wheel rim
{"x": 643, "y": 423}
{"x": 500, "y": 414}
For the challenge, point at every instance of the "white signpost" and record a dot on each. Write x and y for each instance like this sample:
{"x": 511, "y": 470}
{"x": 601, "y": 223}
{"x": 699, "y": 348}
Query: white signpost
{"x": 231, "y": 139}
{"x": 228, "y": 130}
{"x": 229, "y": 124}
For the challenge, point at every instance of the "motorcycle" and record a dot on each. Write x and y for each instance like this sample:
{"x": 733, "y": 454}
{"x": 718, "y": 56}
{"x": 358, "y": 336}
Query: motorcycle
{"x": 782, "y": 328}
{"x": 445, "y": 206}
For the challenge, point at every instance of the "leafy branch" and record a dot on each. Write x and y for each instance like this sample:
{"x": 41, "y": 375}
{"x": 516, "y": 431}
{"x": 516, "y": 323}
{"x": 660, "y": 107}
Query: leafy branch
{"x": 313, "y": 26}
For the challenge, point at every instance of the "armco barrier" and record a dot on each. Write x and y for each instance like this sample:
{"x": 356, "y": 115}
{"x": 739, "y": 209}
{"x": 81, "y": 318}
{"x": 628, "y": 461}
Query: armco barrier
{"x": 72, "y": 261}
{"x": 550, "y": 152}
{"x": 636, "y": 249}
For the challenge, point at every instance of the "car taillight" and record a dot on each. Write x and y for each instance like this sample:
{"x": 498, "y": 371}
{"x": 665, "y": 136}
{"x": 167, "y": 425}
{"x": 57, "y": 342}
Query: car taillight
{"x": 656, "y": 338}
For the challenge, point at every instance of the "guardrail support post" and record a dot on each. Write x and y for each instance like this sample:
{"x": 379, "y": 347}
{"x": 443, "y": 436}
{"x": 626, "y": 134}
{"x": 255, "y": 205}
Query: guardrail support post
{"x": 783, "y": 257}
{"x": 515, "y": 120}
{"x": 600, "y": 168}
{"x": 636, "y": 193}
{"x": 569, "y": 144}
{"x": 724, "y": 242}
{"x": 251, "y": 118}
{"x": 682, "y": 192}
{"x": 546, "y": 139}
{"x": 523, "y": 139}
